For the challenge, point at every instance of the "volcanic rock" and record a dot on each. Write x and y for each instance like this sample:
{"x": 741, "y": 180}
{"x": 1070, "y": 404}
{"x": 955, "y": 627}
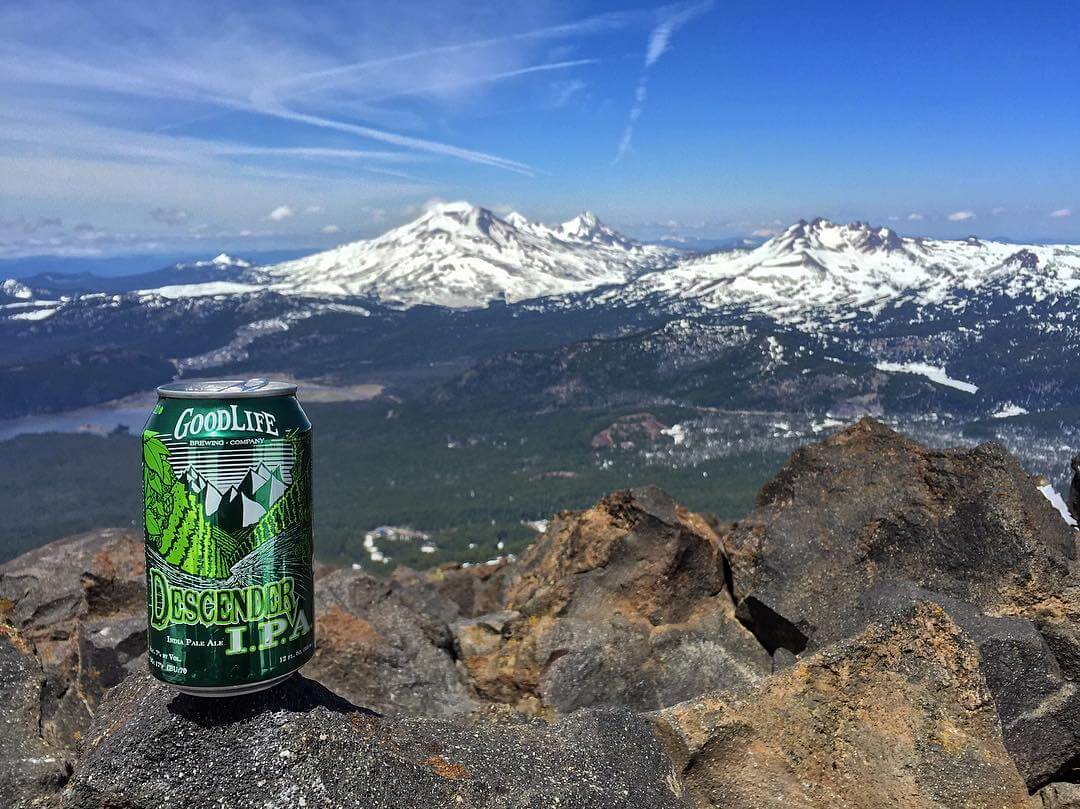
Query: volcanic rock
{"x": 386, "y": 646}
{"x": 31, "y": 770}
{"x": 865, "y": 523}
{"x": 80, "y": 603}
{"x": 868, "y": 505}
{"x": 301, "y": 745}
{"x": 1074, "y": 489}
{"x": 899, "y": 716}
{"x": 1039, "y": 708}
{"x": 621, "y": 604}
{"x": 475, "y": 589}
{"x": 1060, "y": 796}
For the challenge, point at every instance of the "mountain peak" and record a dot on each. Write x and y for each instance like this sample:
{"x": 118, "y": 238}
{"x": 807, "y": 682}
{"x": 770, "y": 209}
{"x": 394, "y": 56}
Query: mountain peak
{"x": 583, "y": 225}
{"x": 225, "y": 260}
{"x": 823, "y": 234}
{"x": 461, "y": 255}
{"x": 457, "y": 217}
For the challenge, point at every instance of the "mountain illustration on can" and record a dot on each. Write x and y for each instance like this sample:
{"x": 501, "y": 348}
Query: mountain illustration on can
{"x": 228, "y": 530}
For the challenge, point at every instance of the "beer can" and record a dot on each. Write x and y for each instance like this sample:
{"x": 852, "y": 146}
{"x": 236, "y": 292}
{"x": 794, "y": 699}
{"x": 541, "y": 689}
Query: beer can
{"x": 228, "y": 529}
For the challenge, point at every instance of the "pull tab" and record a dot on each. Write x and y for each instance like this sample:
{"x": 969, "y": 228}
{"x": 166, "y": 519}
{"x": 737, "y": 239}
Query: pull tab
{"x": 255, "y": 384}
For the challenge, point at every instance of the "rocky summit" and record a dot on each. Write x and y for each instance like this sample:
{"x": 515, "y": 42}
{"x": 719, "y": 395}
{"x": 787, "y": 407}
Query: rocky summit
{"x": 867, "y": 521}
{"x": 891, "y": 626}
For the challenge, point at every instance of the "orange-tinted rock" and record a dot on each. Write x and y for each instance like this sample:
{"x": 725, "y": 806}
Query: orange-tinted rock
{"x": 899, "y": 716}
{"x": 621, "y": 604}
{"x": 869, "y": 516}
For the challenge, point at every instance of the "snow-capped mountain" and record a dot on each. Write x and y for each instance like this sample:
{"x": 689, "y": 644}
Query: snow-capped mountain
{"x": 458, "y": 255}
{"x": 853, "y": 312}
{"x": 820, "y": 265}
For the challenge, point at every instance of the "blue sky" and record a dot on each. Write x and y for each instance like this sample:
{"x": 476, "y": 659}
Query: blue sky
{"x": 141, "y": 127}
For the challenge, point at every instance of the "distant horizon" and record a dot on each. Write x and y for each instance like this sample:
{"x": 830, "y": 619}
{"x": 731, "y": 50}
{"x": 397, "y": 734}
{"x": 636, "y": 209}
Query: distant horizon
{"x": 130, "y": 263}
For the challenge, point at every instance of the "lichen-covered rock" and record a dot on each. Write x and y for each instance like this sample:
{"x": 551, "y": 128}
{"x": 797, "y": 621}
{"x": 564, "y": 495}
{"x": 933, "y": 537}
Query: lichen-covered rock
{"x": 621, "y": 604}
{"x": 300, "y": 745}
{"x": 867, "y": 522}
{"x": 31, "y": 770}
{"x": 1038, "y": 707}
{"x": 899, "y": 716}
{"x": 385, "y": 647}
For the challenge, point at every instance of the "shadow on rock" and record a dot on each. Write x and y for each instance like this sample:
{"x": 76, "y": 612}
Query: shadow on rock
{"x": 297, "y": 694}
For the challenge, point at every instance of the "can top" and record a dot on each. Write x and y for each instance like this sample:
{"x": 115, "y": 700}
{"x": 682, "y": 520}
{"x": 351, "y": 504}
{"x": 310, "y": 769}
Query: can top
{"x": 226, "y": 389}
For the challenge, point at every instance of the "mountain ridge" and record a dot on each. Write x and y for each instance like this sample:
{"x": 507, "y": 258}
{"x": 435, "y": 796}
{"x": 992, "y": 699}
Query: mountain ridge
{"x": 818, "y": 264}
{"x": 859, "y": 311}
{"x": 463, "y": 256}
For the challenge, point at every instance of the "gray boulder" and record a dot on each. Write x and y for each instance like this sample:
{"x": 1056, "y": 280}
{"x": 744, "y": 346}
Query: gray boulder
{"x": 1060, "y": 796}
{"x": 1074, "y": 489}
{"x": 386, "y": 647}
{"x": 898, "y": 716}
{"x": 1039, "y": 708}
{"x": 868, "y": 505}
{"x": 301, "y": 745}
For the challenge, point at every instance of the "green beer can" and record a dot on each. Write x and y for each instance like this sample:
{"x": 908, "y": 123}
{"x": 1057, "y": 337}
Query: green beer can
{"x": 227, "y": 490}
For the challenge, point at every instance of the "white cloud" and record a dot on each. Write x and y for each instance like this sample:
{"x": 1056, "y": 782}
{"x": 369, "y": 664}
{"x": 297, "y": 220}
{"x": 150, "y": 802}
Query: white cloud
{"x": 915, "y": 217}
{"x": 998, "y": 211}
{"x": 455, "y": 84}
{"x": 562, "y": 92}
{"x": 660, "y": 36}
{"x": 22, "y": 225}
{"x": 635, "y": 112}
{"x": 313, "y": 209}
{"x": 1061, "y": 213}
{"x": 672, "y": 18}
{"x": 330, "y": 229}
{"x": 320, "y": 71}
{"x": 763, "y": 233}
{"x": 961, "y": 216}
{"x": 280, "y": 213}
